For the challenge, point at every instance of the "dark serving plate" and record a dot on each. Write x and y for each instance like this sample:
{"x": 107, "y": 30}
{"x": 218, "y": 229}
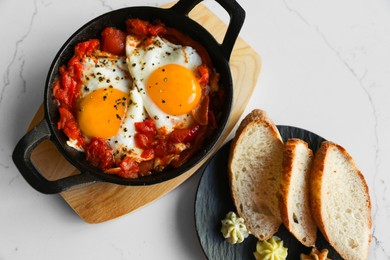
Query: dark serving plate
{"x": 213, "y": 201}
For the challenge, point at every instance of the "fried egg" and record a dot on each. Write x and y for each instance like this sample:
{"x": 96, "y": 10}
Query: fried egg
{"x": 165, "y": 75}
{"x": 104, "y": 96}
{"x": 109, "y": 106}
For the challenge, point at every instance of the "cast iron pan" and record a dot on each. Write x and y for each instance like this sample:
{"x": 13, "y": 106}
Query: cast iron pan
{"x": 176, "y": 17}
{"x": 213, "y": 201}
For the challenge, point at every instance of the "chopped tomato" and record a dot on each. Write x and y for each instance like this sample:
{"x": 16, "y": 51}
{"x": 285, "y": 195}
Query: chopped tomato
{"x": 145, "y": 167}
{"x": 114, "y": 41}
{"x": 144, "y": 28}
{"x": 156, "y": 30}
{"x": 183, "y": 157}
{"x": 137, "y": 27}
{"x": 200, "y": 113}
{"x": 68, "y": 124}
{"x": 186, "y": 154}
{"x": 99, "y": 153}
{"x": 145, "y": 134}
{"x": 75, "y": 68}
{"x": 69, "y": 85}
{"x": 129, "y": 168}
{"x": 67, "y": 88}
{"x": 146, "y": 127}
{"x": 86, "y": 48}
{"x": 143, "y": 141}
{"x": 204, "y": 75}
{"x": 64, "y": 91}
{"x": 157, "y": 145}
{"x": 184, "y": 135}
{"x": 61, "y": 96}
{"x": 161, "y": 148}
{"x": 147, "y": 154}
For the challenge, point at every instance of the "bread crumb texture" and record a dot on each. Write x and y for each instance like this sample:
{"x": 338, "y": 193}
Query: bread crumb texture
{"x": 296, "y": 188}
{"x": 345, "y": 205}
{"x": 257, "y": 172}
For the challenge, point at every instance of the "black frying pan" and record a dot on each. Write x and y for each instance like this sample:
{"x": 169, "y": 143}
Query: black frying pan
{"x": 176, "y": 17}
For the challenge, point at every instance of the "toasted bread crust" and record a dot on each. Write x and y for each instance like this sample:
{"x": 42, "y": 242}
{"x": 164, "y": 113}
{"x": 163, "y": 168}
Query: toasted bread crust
{"x": 256, "y": 117}
{"x": 317, "y": 196}
{"x": 288, "y": 157}
{"x": 316, "y": 175}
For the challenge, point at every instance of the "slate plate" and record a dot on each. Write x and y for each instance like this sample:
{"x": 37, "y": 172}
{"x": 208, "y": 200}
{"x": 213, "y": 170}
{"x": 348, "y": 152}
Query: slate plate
{"x": 213, "y": 201}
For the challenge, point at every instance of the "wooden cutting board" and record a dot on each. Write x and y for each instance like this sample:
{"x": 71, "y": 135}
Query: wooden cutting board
{"x": 99, "y": 202}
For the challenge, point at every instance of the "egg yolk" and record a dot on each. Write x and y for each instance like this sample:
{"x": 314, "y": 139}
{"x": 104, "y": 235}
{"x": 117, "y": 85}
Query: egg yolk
{"x": 101, "y": 112}
{"x": 174, "y": 89}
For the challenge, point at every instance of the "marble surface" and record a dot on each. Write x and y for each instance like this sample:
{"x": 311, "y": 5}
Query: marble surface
{"x": 326, "y": 68}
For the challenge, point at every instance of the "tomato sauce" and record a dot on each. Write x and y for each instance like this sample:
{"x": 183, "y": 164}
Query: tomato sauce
{"x": 114, "y": 41}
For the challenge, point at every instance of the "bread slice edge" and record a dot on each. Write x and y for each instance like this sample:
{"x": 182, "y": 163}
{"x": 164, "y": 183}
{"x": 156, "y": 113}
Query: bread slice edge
{"x": 272, "y": 224}
{"x": 318, "y": 200}
{"x": 296, "y": 215}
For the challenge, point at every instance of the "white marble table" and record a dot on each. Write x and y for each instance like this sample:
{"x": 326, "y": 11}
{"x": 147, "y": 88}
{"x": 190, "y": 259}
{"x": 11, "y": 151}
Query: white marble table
{"x": 326, "y": 68}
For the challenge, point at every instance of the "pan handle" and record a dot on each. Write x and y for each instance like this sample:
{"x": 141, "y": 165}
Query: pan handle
{"x": 237, "y": 17}
{"x": 22, "y": 159}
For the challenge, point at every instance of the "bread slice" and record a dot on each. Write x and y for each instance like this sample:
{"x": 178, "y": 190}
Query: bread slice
{"x": 294, "y": 192}
{"x": 341, "y": 202}
{"x": 255, "y": 169}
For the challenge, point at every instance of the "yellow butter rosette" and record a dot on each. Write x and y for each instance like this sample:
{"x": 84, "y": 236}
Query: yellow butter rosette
{"x": 271, "y": 249}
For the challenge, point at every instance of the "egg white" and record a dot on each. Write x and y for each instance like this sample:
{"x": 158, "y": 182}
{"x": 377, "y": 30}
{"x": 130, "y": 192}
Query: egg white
{"x": 123, "y": 143}
{"x": 103, "y": 72}
{"x": 143, "y": 60}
